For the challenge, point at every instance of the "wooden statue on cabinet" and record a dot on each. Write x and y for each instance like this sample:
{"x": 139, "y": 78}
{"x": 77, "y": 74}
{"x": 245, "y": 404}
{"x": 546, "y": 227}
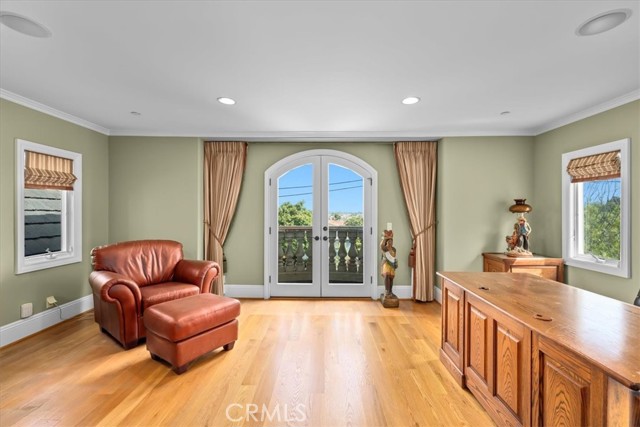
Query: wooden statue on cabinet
{"x": 518, "y": 242}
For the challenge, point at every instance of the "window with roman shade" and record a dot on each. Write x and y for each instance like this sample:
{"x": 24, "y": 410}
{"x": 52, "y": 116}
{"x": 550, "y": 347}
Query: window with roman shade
{"x": 47, "y": 172}
{"x": 596, "y": 167}
{"x": 596, "y": 208}
{"x": 48, "y": 206}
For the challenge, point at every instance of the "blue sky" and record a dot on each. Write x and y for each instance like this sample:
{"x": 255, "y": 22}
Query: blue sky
{"x": 601, "y": 191}
{"x": 345, "y": 188}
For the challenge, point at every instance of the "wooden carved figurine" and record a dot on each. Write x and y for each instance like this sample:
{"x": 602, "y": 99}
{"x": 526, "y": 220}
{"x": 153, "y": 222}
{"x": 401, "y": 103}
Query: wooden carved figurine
{"x": 388, "y": 270}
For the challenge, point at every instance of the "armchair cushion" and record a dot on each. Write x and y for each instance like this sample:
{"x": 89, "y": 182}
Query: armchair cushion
{"x": 130, "y": 277}
{"x": 163, "y": 292}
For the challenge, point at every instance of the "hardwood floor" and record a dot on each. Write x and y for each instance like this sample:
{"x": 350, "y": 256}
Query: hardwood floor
{"x": 296, "y": 363}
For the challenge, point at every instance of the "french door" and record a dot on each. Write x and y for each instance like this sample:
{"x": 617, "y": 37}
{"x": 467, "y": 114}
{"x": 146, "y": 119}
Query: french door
{"x": 319, "y": 240}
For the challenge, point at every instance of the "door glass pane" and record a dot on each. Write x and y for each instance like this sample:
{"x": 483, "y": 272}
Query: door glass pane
{"x": 346, "y": 224}
{"x": 295, "y": 214}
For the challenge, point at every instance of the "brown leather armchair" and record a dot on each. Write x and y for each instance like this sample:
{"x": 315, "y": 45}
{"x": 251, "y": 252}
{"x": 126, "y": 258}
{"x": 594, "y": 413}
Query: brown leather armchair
{"x": 129, "y": 277}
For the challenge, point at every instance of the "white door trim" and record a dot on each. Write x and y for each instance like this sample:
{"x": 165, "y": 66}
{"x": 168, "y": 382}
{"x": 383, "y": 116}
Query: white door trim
{"x": 270, "y": 211}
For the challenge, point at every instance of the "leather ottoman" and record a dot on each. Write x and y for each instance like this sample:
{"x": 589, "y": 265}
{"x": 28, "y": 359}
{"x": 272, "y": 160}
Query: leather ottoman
{"x": 184, "y": 329}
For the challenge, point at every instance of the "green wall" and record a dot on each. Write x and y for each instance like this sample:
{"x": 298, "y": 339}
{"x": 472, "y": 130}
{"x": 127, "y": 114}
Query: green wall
{"x": 478, "y": 178}
{"x": 151, "y": 187}
{"x": 155, "y": 190}
{"x": 244, "y": 245}
{"x": 68, "y": 282}
{"x": 612, "y": 125}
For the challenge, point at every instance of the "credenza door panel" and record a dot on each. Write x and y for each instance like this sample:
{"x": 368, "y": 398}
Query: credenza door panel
{"x": 498, "y": 361}
{"x": 478, "y": 357}
{"x": 509, "y": 366}
{"x": 452, "y": 329}
{"x": 570, "y": 391}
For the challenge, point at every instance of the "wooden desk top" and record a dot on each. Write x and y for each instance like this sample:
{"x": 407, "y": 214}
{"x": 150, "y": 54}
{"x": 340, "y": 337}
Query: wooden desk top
{"x": 603, "y": 330}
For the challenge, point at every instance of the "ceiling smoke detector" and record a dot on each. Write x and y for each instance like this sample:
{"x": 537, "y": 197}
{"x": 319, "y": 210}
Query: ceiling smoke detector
{"x": 24, "y": 25}
{"x": 603, "y": 22}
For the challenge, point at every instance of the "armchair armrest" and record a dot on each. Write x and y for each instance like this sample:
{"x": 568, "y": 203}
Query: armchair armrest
{"x": 115, "y": 287}
{"x": 199, "y": 273}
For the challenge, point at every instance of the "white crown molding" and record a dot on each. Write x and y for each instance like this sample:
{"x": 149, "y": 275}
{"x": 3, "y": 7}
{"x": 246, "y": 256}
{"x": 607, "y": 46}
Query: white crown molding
{"x": 45, "y": 319}
{"x": 34, "y": 105}
{"x": 591, "y": 111}
{"x": 320, "y": 136}
{"x": 317, "y": 136}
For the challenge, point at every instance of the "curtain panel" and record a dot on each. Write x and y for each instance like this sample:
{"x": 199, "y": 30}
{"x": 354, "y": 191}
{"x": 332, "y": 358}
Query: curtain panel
{"x": 46, "y": 172}
{"x": 224, "y": 165}
{"x": 416, "y": 162}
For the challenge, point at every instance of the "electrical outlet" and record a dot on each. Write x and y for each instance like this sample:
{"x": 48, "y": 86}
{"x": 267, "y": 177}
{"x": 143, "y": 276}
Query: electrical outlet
{"x": 26, "y": 310}
{"x": 51, "y": 301}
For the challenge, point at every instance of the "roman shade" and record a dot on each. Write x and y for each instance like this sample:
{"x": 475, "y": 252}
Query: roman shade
{"x": 43, "y": 171}
{"x": 597, "y": 167}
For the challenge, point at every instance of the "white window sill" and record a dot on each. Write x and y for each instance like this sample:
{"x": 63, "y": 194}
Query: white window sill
{"x": 42, "y": 262}
{"x": 612, "y": 268}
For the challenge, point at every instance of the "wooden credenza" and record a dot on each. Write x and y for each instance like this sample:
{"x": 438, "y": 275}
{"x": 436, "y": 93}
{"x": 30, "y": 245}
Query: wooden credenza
{"x": 535, "y": 352}
{"x": 551, "y": 268}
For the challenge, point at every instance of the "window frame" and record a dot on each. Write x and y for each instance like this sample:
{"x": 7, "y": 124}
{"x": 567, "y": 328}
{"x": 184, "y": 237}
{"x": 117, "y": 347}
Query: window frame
{"x": 72, "y": 213}
{"x": 572, "y": 208}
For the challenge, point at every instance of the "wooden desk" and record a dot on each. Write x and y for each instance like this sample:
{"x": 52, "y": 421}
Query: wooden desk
{"x": 551, "y": 268}
{"x": 535, "y": 352}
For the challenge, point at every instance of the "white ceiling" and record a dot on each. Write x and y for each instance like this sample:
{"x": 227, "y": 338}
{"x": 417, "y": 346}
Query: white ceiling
{"x": 320, "y": 69}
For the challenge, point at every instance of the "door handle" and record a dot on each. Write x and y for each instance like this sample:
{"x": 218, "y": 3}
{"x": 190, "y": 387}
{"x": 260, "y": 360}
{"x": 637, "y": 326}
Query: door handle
{"x": 325, "y": 238}
{"x": 316, "y": 238}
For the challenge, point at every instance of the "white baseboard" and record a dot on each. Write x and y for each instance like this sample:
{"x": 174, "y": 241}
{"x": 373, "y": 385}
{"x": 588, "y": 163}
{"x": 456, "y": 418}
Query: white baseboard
{"x": 244, "y": 291}
{"x": 402, "y": 292}
{"x": 257, "y": 291}
{"x": 24, "y": 327}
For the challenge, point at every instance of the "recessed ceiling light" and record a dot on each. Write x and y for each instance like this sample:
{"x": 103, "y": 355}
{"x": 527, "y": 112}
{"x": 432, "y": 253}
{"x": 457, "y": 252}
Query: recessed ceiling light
{"x": 226, "y": 101}
{"x": 411, "y": 100}
{"x": 603, "y": 22}
{"x": 24, "y": 25}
